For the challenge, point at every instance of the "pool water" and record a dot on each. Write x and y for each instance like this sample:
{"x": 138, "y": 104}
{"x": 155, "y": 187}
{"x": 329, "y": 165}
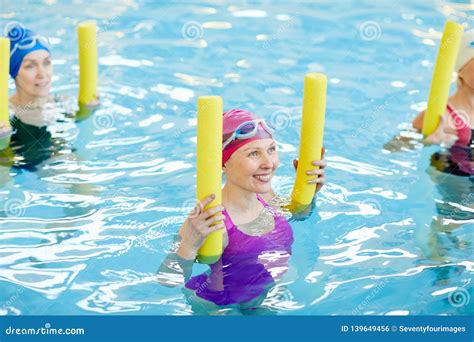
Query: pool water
{"x": 85, "y": 232}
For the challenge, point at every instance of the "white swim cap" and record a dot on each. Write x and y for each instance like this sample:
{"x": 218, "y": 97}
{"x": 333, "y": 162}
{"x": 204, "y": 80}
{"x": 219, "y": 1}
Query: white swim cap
{"x": 466, "y": 50}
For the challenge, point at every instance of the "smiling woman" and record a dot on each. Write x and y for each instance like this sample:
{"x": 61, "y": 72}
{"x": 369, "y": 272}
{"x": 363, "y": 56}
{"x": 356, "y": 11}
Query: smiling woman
{"x": 34, "y": 112}
{"x": 33, "y": 84}
{"x": 30, "y": 64}
{"x": 34, "y": 77}
{"x": 30, "y": 67}
{"x": 32, "y": 108}
{"x": 257, "y": 236}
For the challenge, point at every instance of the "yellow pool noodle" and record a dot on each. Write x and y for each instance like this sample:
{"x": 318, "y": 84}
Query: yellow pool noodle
{"x": 7, "y": 157}
{"x": 88, "y": 63}
{"x": 439, "y": 91}
{"x": 4, "y": 71}
{"x": 209, "y": 167}
{"x": 311, "y": 141}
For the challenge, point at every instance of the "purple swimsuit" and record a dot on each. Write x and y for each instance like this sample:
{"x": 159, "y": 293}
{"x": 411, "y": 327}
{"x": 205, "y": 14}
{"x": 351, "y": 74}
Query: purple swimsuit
{"x": 463, "y": 158}
{"x": 239, "y": 276}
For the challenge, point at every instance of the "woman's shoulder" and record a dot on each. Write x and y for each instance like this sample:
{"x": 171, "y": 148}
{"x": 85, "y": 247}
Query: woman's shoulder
{"x": 43, "y": 111}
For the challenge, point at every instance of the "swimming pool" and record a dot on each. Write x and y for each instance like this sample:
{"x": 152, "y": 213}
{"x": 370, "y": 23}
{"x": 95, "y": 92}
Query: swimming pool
{"x": 86, "y": 232}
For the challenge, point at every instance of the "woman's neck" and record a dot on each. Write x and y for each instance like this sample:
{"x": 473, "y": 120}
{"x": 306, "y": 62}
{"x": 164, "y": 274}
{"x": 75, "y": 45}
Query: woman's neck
{"x": 240, "y": 200}
{"x": 22, "y": 99}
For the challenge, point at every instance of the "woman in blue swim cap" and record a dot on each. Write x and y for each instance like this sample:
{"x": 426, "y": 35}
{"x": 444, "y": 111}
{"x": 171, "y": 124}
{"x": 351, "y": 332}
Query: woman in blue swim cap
{"x": 32, "y": 107}
{"x": 30, "y": 65}
{"x": 32, "y": 70}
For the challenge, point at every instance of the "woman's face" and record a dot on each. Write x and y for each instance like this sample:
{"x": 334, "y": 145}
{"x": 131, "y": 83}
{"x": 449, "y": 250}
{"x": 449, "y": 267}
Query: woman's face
{"x": 252, "y": 166}
{"x": 467, "y": 73}
{"x": 34, "y": 76}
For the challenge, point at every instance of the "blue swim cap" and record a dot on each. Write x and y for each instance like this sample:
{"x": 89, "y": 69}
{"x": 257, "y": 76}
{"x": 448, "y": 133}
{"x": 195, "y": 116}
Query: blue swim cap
{"x": 22, "y": 42}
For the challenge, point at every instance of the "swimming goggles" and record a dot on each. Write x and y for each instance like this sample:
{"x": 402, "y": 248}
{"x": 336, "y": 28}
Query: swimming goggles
{"x": 30, "y": 42}
{"x": 247, "y": 129}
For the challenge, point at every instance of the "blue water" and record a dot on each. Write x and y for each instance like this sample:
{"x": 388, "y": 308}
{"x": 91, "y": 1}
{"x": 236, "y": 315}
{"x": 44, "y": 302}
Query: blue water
{"x": 86, "y": 232}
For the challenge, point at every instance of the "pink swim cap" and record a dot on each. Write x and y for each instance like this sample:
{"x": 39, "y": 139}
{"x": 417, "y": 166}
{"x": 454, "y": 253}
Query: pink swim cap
{"x": 231, "y": 120}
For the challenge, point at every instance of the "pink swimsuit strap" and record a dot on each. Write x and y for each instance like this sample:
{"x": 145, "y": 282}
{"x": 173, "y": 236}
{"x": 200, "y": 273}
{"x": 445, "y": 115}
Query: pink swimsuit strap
{"x": 462, "y": 128}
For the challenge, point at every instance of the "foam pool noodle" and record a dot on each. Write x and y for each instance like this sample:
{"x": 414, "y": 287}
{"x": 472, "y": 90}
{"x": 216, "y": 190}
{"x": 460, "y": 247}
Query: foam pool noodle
{"x": 440, "y": 83}
{"x": 4, "y": 71}
{"x": 311, "y": 140}
{"x": 209, "y": 168}
{"x": 88, "y": 63}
